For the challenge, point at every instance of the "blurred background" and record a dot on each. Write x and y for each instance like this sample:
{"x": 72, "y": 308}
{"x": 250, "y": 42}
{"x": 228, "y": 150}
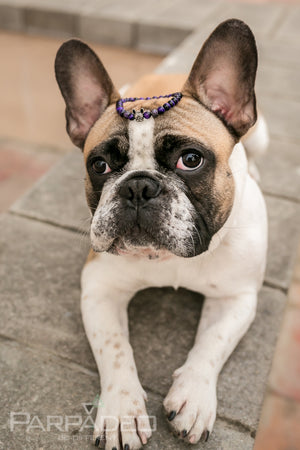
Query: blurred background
{"x": 133, "y": 38}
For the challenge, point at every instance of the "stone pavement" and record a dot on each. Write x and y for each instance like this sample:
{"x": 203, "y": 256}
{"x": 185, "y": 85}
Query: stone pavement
{"x": 46, "y": 363}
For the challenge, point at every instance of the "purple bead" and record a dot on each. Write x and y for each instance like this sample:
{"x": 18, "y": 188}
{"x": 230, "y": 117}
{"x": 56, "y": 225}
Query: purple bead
{"x": 147, "y": 114}
{"x": 126, "y": 114}
{"x": 154, "y": 113}
{"x": 166, "y": 106}
{"x": 161, "y": 110}
{"x": 148, "y": 98}
{"x": 175, "y": 100}
{"x": 171, "y": 103}
{"x": 120, "y": 109}
{"x": 131, "y": 116}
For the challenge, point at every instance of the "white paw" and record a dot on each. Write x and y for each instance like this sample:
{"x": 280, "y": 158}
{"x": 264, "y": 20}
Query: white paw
{"x": 122, "y": 422}
{"x": 191, "y": 405}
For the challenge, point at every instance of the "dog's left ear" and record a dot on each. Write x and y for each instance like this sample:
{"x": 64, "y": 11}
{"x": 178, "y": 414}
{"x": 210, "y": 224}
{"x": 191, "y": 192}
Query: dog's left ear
{"x": 223, "y": 75}
{"x": 85, "y": 85}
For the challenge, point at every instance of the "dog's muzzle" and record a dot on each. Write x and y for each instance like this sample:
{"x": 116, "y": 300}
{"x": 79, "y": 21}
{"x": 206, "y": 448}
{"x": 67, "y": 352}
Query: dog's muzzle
{"x": 138, "y": 190}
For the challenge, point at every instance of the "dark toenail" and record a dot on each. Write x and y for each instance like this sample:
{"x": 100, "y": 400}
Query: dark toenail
{"x": 184, "y": 433}
{"x": 126, "y": 447}
{"x": 205, "y": 435}
{"x": 114, "y": 448}
{"x": 97, "y": 442}
{"x": 171, "y": 415}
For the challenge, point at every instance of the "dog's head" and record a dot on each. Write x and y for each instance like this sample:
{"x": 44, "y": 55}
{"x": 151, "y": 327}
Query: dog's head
{"x": 162, "y": 185}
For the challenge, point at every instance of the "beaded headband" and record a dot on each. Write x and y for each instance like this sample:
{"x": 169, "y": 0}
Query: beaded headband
{"x": 142, "y": 114}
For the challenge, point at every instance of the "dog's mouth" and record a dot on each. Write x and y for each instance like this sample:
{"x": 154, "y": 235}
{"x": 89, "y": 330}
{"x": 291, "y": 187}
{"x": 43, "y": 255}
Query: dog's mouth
{"x": 123, "y": 247}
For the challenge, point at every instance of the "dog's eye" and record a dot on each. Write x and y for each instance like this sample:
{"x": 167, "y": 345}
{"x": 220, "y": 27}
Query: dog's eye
{"x": 101, "y": 167}
{"x": 190, "y": 161}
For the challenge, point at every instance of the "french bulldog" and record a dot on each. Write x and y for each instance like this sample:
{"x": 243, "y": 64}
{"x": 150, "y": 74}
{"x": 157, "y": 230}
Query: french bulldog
{"x": 172, "y": 204}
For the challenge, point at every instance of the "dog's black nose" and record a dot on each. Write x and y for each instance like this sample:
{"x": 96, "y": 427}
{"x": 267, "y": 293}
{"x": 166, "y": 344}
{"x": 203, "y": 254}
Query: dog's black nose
{"x": 139, "y": 190}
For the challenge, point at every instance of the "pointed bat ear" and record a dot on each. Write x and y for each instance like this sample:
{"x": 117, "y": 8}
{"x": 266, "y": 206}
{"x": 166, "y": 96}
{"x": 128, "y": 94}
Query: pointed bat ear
{"x": 85, "y": 86}
{"x": 223, "y": 75}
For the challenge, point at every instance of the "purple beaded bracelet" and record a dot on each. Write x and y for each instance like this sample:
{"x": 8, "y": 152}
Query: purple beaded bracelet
{"x": 142, "y": 114}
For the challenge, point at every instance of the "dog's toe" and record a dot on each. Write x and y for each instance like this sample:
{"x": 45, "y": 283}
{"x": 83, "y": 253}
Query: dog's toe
{"x": 191, "y": 406}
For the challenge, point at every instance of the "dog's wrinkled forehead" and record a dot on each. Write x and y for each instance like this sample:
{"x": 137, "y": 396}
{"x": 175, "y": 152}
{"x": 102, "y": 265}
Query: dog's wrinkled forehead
{"x": 189, "y": 119}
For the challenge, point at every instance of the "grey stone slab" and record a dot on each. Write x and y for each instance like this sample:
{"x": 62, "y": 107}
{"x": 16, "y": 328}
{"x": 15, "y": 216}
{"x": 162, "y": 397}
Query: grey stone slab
{"x": 57, "y": 22}
{"x": 40, "y": 268}
{"x": 93, "y": 26}
{"x": 284, "y": 230}
{"x": 133, "y": 10}
{"x": 288, "y": 28}
{"x": 188, "y": 13}
{"x": 11, "y": 18}
{"x": 38, "y": 386}
{"x": 278, "y": 81}
{"x": 161, "y": 39}
{"x": 243, "y": 380}
{"x": 282, "y": 116}
{"x": 181, "y": 59}
{"x": 280, "y": 169}
{"x": 59, "y": 196}
{"x": 284, "y": 54}
{"x": 261, "y": 18}
{"x": 163, "y": 324}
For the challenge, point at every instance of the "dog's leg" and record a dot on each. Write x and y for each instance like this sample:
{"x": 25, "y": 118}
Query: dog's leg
{"x": 191, "y": 402}
{"x": 122, "y": 420}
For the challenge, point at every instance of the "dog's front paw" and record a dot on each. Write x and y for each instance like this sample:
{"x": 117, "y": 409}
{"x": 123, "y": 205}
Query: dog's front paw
{"x": 122, "y": 422}
{"x": 191, "y": 405}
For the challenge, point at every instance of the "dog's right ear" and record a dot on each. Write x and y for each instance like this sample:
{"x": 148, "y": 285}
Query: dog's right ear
{"x": 85, "y": 85}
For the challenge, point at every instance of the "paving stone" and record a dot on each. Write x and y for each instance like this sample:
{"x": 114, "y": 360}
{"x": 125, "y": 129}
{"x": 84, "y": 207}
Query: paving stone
{"x": 133, "y": 10}
{"x": 59, "y": 196}
{"x": 288, "y": 29}
{"x": 279, "y": 169}
{"x": 38, "y": 385}
{"x": 61, "y": 23}
{"x": 282, "y": 116}
{"x": 159, "y": 39}
{"x": 93, "y": 26}
{"x": 261, "y": 18}
{"x": 45, "y": 390}
{"x": 40, "y": 286}
{"x": 243, "y": 379}
{"x": 278, "y": 81}
{"x": 11, "y": 18}
{"x": 189, "y": 14}
{"x": 284, "y": 54}
{"x": 284, "y": 219}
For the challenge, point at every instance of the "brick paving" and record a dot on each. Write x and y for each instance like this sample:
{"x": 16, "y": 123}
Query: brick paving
{"x": 47, "y": 364}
